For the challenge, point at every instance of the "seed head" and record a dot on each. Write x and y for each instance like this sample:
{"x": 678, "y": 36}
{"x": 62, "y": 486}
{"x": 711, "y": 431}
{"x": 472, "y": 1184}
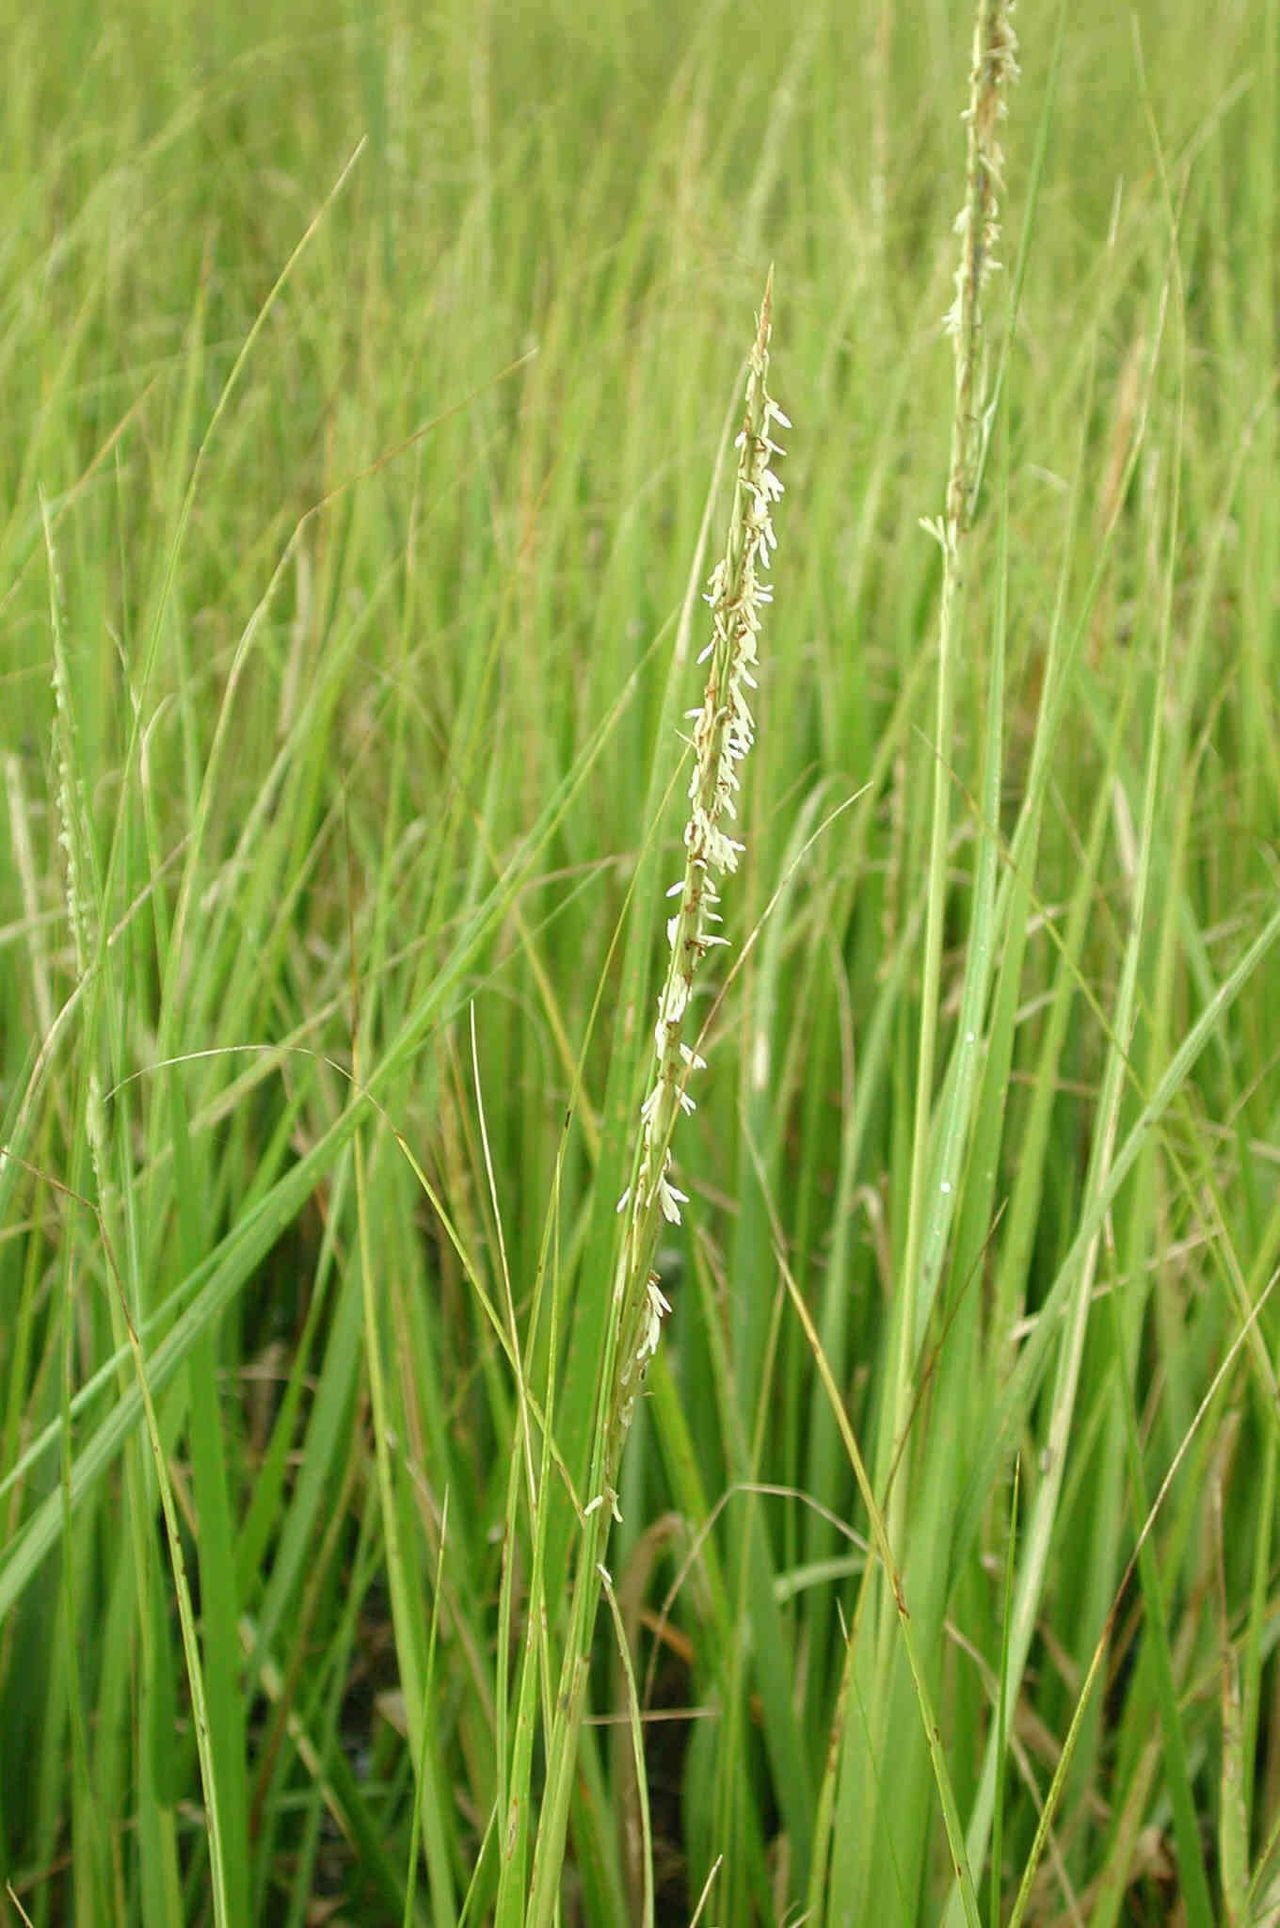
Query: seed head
{"x": 995, "y": 68}
{"x": 723, "y": 732}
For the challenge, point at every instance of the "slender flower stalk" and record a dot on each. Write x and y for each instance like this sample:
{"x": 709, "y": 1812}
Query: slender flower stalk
{"x": 994, "y": 68}
{"x": 723, "y": 732}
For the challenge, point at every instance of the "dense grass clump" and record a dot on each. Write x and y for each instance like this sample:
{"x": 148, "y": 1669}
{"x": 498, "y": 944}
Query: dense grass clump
{"x": 873, "y": 1520}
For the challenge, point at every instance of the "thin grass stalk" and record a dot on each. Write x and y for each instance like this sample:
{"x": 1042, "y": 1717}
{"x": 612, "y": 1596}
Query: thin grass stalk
{"x": 723, "y": 732}
{"x": 76, "y": 847}
{"x": 88, "y": 923}
{"x": 994, "y": 67}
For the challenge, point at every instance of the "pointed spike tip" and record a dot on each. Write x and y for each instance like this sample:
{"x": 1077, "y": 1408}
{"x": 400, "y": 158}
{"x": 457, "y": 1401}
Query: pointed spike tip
{"x": 766, "y": 315}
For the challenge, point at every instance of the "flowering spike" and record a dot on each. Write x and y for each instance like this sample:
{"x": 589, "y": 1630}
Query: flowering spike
{"x": 723, "y": 732}
{"x": 995, "y": 68}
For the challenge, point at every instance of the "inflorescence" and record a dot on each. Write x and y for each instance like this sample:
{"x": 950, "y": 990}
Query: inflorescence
{"x": 723, "y": 732}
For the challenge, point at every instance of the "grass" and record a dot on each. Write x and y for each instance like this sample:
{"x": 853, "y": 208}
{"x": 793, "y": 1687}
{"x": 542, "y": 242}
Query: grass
{"x": 371, "y": 381}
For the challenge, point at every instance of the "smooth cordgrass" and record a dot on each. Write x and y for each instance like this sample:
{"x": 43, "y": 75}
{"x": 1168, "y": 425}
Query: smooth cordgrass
{"x": 370, "y": 385}
{"x": 739, "y": 592}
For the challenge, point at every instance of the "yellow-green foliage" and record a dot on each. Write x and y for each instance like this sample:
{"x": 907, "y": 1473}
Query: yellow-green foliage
{"x": 369, "y": 380}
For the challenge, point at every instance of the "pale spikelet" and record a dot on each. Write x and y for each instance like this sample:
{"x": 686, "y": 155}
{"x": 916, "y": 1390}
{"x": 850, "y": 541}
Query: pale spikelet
{"x": 723, "y": 732}
{"x": 995, "y": 68}
{"x": 74, "y": 834}
{"x": 72, "y": 810}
